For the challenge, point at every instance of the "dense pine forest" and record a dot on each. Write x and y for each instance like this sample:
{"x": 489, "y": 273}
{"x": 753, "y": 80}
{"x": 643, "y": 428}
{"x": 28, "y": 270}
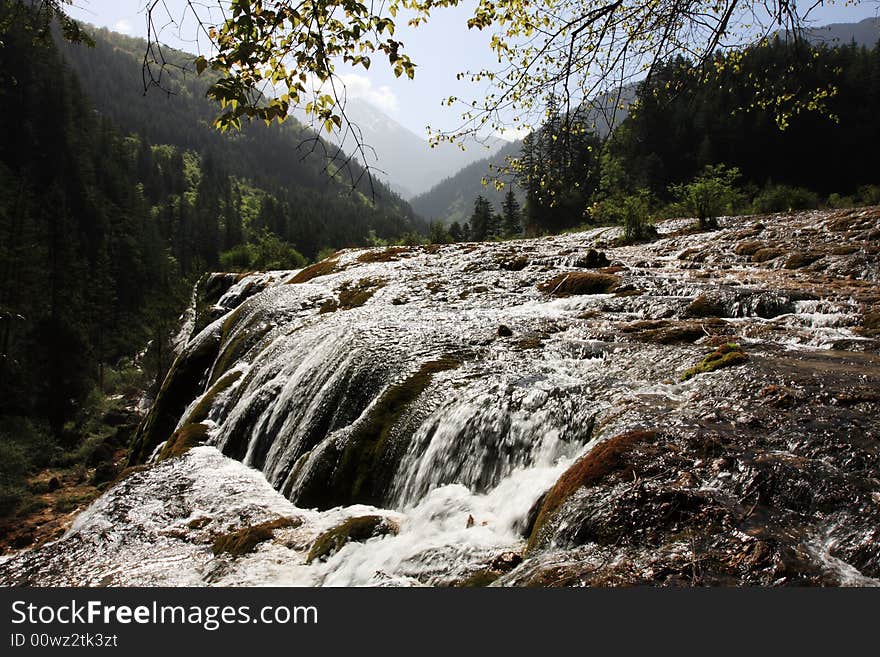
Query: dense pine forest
{"x": 112, "y": 204}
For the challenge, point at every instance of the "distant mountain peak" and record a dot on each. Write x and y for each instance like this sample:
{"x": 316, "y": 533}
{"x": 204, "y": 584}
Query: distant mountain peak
{"x": 404, "y": 159}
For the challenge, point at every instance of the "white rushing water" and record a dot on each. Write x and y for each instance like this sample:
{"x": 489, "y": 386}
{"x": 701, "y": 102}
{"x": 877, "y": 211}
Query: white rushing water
{"x": 524, "y": 383}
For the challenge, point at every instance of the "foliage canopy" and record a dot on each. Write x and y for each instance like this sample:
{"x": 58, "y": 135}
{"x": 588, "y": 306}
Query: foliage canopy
{"x": 272, "y": 55}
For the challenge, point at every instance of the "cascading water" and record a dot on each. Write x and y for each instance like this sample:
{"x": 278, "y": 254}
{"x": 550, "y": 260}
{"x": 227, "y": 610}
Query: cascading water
{"x": 435, "y": 396}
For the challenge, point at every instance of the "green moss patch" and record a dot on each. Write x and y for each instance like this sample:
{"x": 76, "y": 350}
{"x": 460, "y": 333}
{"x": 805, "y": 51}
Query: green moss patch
{"x": 357, "y": 529}
{"x": 246, "y": 540}
{"x": 573, "y": 283}
{"x": 357, "y": 294}
{"x": 353, "y": 295}
{"x": 600, "y": 462}
{"x": 237, "y": 346}
{"x": 367, "y": 446}
{"x": 183, "y": 440}
{"x": 726, "y": 355}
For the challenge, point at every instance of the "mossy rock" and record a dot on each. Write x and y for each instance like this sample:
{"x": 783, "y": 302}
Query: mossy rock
{"x": 246, "y": 540}
{"x": 531, "y": 342}
{"x": 800, "y": 259}
{"x": 238, "y": 345}
{"x": 514, "y": 264}
{"x": 577, "y": 282}
{"x": 203, "y": 408}
{"x": 593, "y": 260}
{"x": 501, "y": 564}
{"x": 727, "y": 355}
{"x": 595, "y": 466}
{"x": 748, "y": 248}
{"x": 323, "y": 268}
{"x": 870, "y": 327}
{"x": 183, "y": 440}
{"x": 389, "y": 254}
{"x": 663, "y": 331}
{"x": 357, "y": 529}
{"x": 478, "y": 579}
{"x": 766, "y": 254}
{"x": 704, "y": 306}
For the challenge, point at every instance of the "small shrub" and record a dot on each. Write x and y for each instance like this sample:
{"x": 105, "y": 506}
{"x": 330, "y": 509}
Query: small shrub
{"x": 869, "y": 194}
{"x": 837, "y": 202}
{"x": 411, "y": 239}
{"x": 710, "y": 194}
{"x": 326, "y": 253}
{"x": 24, "y": 448}
{"x": 637, "y": 225}
{"x": 781, "y": 198}
{"x": 267, "y": 251}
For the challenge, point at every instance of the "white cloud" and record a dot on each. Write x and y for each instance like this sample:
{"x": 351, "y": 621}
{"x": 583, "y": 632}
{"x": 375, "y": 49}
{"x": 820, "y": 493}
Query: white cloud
{"x": 123, "y": 25}
{"x": 511, "y": 134}
{"x": 359, "y": 86}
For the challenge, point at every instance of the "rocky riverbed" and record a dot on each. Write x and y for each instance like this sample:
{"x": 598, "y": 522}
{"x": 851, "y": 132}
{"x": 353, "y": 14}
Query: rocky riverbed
{"x": 703, "y": 409}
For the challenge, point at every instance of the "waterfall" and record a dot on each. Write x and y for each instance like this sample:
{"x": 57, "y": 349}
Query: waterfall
{"x": 434, "y": 415}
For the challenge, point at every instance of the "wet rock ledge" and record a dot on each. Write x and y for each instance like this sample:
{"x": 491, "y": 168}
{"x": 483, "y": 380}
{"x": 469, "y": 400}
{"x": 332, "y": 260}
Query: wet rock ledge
{"x": 702, "y": 409}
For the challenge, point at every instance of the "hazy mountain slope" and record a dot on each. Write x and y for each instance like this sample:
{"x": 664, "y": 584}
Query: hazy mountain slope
{"x": 864, "y": 33}
{"x": 453, "y": 198}
{"x": 405, "y": 159}
{"x": 276, "y": 156}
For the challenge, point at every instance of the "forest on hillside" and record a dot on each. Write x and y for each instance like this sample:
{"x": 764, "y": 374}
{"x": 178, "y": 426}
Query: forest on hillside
{"x": 686, "y": 128}
{"x": 112, "y": 205}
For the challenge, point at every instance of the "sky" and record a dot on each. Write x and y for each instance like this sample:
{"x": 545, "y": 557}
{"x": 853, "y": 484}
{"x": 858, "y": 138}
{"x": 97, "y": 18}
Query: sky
{"x": 441, "y": 48}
